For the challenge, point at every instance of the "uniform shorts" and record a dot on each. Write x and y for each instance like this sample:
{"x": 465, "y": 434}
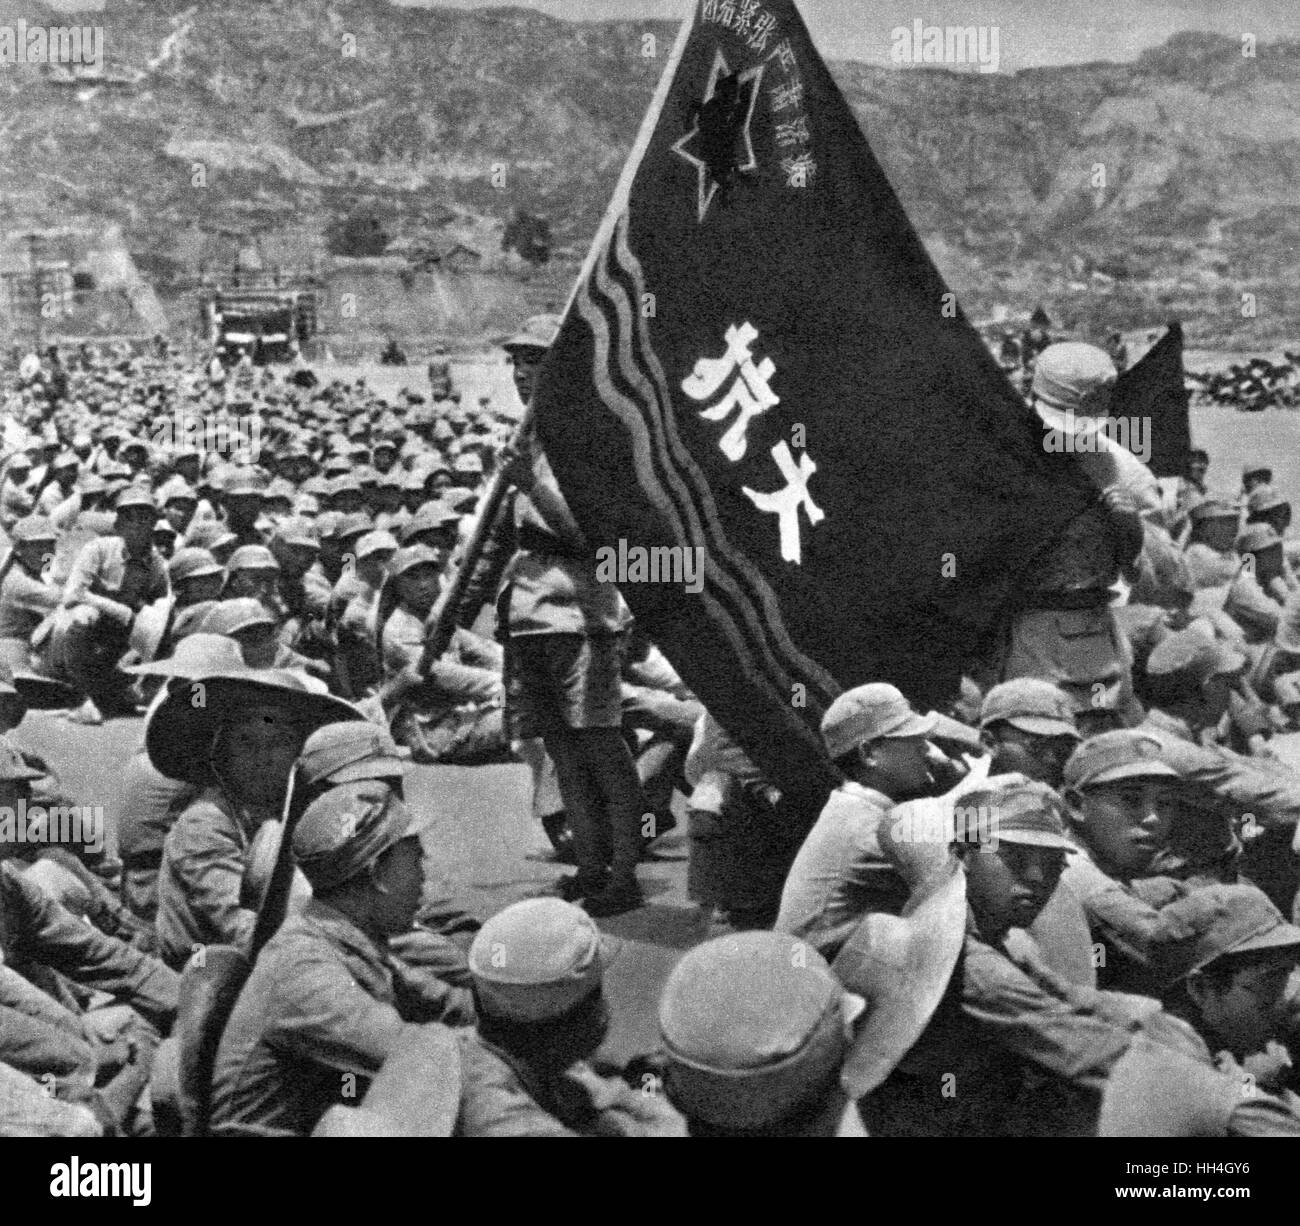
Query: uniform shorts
{"x": 558, "y": 681}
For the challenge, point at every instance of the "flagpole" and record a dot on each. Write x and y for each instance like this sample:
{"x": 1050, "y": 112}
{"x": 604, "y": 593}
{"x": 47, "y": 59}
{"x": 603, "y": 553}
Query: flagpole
{"x": 440, "y": 622}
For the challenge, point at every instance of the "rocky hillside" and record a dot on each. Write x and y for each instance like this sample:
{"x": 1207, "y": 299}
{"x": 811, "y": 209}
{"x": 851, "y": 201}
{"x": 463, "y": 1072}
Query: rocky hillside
{"x": 229, "y": 124}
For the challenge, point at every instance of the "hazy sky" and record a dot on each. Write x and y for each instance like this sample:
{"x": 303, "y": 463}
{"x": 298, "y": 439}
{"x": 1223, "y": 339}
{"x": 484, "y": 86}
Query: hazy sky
{"x": 1031, "y": 32}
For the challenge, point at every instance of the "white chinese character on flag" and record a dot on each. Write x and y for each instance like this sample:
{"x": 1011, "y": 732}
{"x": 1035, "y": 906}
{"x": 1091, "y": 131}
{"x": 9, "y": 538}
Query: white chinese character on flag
{"x": 785, "y": 503}
{"x": 764, "y": 27}
{"x": 748, "y": 11}
{"x": 749, "y": 391}
{"x": 787, "y": 97}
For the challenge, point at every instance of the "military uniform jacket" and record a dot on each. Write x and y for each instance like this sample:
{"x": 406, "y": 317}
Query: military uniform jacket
{"x": 841, "y": 872}
{"x": 202, "y": 867}
{"x": 318, "y": 1016}
{"x": 504, "y": 1096}
{"x": 25, "y": 602}
{"x": 37, "y": 933}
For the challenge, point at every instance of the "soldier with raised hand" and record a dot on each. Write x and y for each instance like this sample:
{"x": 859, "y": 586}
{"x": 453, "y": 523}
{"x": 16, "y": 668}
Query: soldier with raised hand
{"x": 1064, "y": 630}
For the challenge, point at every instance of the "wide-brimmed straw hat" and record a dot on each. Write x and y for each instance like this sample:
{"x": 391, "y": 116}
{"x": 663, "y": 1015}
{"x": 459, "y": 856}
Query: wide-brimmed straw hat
{"x": 179, "y": 735}
{"x": 901, "y": 966}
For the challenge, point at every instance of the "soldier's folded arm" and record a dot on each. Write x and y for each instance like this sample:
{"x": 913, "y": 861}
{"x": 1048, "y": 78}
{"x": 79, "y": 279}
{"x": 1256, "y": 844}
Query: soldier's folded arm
{"x": 1078, "y": 1035}
{"x": 39, "y": 1035}
{"x": 209, "y": 868}
{"x": 322, "y": 1014}
{"x": 423, "y": 997}
{"x": 50, "y": 934}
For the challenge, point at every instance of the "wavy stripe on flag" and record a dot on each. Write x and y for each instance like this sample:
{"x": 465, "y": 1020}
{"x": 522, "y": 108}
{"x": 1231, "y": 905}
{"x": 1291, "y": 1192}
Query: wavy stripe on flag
{"x": 677, "y": 460}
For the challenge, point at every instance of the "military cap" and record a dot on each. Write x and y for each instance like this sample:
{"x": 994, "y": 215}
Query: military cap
{"x": 345, "y": 483}
{"x": 538, "y": 332}
{"x": 391, "y": 480}
{"x": 192, "y": 563}
{"x": 91, "y": 483}
{"x": 1215, "y": 921}
{"x": 189, "y": 620}
{"x": 164, "y": 527}
{"x": 351, "y": 751}
{"x": 754, "y": 1028}
{"x": 20, "y": 460}
{"x": 1193, "y": 654}
{"x": 375, "y": 542}
{"x": 65, "y": 460}
{"x": 1030, "y": 704}
{"x": 869, "y": 713}
{"x": 1125, "y": 753}
{"x": 1264, "y": 498}
{"x": 196, "y": 655}
{"x": 536, "y": 960}
{"x": 430, "y": 517}
{"x": 1254, "y": 538}
{"x": 412, "y": 556}
{"x": 297, "y": 530}
{"x": 176, "y": 489}
{"x": 252, "y": 557}
{"x": 354, "y": 524}
{"x": 1020, "y": 810}
{"x": 347, "y": 829}
{"x": 460, "y": 499}
{"x": 232, "y": 616}
{"x": 1257, "y": 468}
{"x": 134, "y": 496}
{"x": 317, "y": 486}
{"x": 243, "y": 483}
{"x": 1073, "y": 376}
{"x": 32, "y": 529}
{"x": 279, "y": 490}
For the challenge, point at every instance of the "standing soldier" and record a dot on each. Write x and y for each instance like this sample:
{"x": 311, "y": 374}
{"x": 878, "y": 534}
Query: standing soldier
{"x": 563, "y": 645}
{"x": 1065, "y": 631}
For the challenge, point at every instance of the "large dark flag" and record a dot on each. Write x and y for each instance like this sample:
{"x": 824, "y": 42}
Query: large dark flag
{"x": 1155, "y": 390}
{"x": 760, "y": 362}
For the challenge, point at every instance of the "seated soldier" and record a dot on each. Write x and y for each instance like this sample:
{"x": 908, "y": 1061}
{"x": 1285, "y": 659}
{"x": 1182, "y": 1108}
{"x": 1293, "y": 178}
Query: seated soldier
{"x": 879, "y": 744}
{"x": 538, "y": 970}
{"x": 234, "y": 735}
{"x": 356, "y": 664}
{"x": 1141, "y": 842}
{"x": 326, "y": 1002}
{"x": 112, "y": 579}
{"x": 449, "y": 710}
{"x": 1011, "y": 1048}
{"x": 1028, "y": 726}
{"x": 51, "y": 961}
{"x": 1225, "y": 959}
{"x": 740, "y": 844}
{"x": 27, "y": 597}
{"x": 754, "y": 1028}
